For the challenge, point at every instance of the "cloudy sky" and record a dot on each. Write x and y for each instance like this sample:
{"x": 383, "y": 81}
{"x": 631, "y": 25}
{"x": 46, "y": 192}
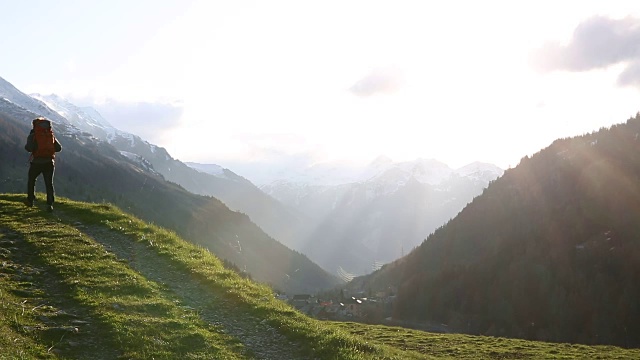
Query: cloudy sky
{"x": 231, "y": 81}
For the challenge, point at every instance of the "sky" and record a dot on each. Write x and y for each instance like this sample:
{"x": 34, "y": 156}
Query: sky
{"x": 271, "y": 82}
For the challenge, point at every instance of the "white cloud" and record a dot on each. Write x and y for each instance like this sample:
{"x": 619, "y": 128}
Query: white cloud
{"x": 378, "y": 81}
{"x": 598, "y": 42}
{"x": 71, "y": 65}
{"x": 630, "y": 76}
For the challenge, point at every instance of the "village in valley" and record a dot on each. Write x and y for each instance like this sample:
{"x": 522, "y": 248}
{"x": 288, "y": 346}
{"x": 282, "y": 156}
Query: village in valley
{"x": 344, "y": 305}
{"x": 355, "y": 306}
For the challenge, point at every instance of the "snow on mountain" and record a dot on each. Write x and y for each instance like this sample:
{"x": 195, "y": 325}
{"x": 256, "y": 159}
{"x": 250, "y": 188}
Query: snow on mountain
{"x": 480, "y": 171}
{"x": 139, "y": 161}
{"x": 326, "y": 174}
{"x": 123, "y": 136}
{"x": 382, "y": 176}
{"x": 146, "y": 155}
{"x": 76, "y": 115}
{"x": 17, "y": 97}
{"x": 424, "y": 171}
{"x": 84, "y": 118}
{"x": 376, "y": 212}
{"x": 90, "y": 121}
{"x": 235, "y": 191}
{"x": 378, "y": 166}
{"x": 95, "y": 116}
{"x": 211, "y": 169}
{"x": 427, "y": 171}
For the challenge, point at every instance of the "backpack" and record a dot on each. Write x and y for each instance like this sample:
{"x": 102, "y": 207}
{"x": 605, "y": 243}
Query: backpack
{"x": 43, "y": 136}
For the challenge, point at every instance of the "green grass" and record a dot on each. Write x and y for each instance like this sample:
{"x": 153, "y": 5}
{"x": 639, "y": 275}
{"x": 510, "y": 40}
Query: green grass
{"x": 322, "y": 341}
{"x": 137, "y": 318}
{"x": 53, "y": 274}
{"x": 16, "y": 318}
{"x": 459, "y": 346}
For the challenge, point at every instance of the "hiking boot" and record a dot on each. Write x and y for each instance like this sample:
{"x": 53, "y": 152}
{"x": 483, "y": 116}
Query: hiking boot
{"x": 29, "y": 203}
{"x": 49, "y": 208}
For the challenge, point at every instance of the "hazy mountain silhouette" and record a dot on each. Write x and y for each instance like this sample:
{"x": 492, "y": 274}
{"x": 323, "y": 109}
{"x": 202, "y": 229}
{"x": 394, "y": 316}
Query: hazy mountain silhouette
{"x": 385, "y": 211}
{"x": 549, "y": 251}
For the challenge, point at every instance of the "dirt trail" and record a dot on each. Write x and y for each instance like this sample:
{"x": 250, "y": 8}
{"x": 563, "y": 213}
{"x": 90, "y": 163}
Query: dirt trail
{"x": 259, "y": 338}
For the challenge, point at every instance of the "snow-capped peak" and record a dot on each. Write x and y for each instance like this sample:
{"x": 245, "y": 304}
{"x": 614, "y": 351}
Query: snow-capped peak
{"x": 480, "y": 170}
{"x": 212, "y": 169}
{"x": 86, "y": 119}
{"x": 17, "y": 97}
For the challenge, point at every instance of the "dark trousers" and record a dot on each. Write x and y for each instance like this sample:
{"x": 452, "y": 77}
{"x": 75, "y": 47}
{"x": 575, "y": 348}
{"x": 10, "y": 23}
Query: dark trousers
{"x": 46, "y": 169}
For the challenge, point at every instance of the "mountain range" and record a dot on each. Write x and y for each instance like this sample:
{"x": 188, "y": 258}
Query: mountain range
{"x": 550, "y": 251}
{"x": 317, "y": 210}
{"x": 348, "y": 219}
{"x": 365, "y": 217}
{"x": 95, "y": 169}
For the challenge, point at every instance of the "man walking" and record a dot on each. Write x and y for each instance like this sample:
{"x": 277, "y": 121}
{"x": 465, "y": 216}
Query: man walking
{"x": 43, "y": 146}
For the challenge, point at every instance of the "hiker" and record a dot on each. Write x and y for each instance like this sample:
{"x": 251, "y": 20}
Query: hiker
{"x": 43, "y": 146}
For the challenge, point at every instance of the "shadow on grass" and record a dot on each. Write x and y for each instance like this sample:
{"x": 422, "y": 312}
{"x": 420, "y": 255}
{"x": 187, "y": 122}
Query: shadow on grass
{"x": 58, "y": 321}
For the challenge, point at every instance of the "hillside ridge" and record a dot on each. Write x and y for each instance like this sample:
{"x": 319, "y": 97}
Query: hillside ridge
{"x": 550, "y": 251}
{"x": 89, "y": 279}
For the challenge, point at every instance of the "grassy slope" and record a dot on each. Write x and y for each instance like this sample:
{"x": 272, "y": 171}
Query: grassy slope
{"x": 73, "y": 298}
{"x": 64, "y": 294}
{"x": 460, "y": 346}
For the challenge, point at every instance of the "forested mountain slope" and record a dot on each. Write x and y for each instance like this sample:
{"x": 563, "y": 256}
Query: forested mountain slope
{"x": 549, "y": 251}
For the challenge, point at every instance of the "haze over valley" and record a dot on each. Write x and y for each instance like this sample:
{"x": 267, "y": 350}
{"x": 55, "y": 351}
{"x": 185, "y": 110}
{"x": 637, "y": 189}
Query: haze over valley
{"x": 350, "y": 220}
